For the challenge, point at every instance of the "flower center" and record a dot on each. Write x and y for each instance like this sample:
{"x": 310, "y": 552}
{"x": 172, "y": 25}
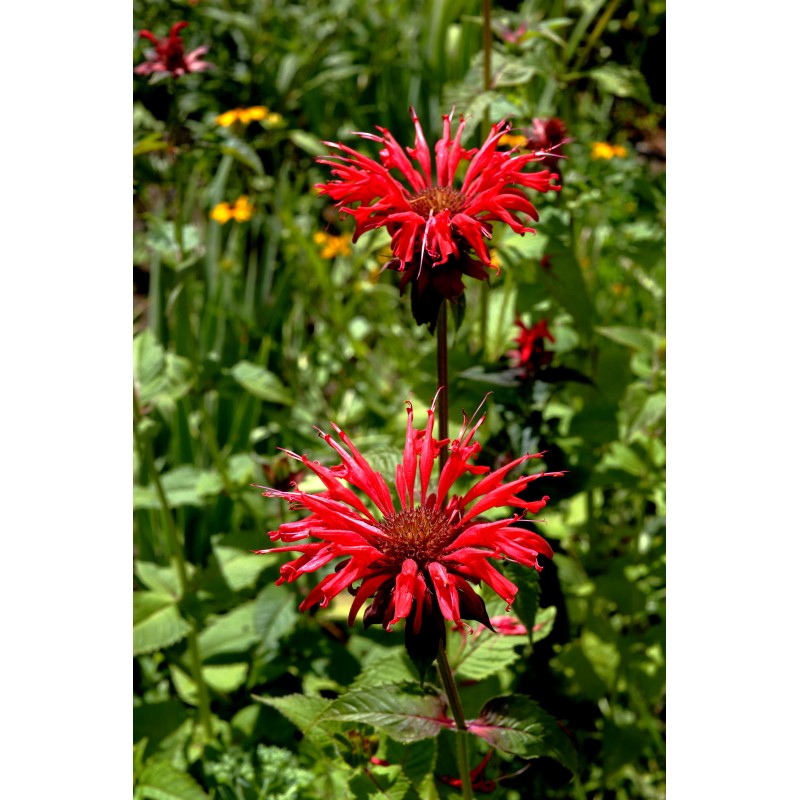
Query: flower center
{"x": 418, "y": 533}
{"x": 437, "y": 199}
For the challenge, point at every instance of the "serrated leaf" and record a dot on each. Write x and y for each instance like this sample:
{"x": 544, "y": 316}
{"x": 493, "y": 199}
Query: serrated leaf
{"x": 384, "y": 668}
{"x": 383, "y": 782}
{"x": 274, "y": 616}
{"x": 399, "y": 711}
{"x": 303, "y": 712}
{"x": 243, "y": 153}
{"x": 161, "y": 579}
{"x": 157, "y": 622}
{"x": 161, "y": 781}
{"x": 483, "y": 654}
{"x": 233, "y": 632}
{"x": 261, "y": 383}
{"x": 516, "y": 724}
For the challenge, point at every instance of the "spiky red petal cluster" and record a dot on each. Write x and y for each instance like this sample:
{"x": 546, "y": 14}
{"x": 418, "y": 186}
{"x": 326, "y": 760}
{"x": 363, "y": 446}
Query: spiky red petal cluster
{"x": 423, "y": 557}
{"x": 530, "y": 354}
{"x": 169, "y": 56}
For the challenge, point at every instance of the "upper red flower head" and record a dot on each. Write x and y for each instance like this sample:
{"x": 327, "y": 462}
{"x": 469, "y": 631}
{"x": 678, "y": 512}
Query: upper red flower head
{"x": 546, "y": 137}
{"x": 169, "y": 56}
{"x": 438, "y": 228}
{"x": 417, "y": 559}
{"x": 530, "y": 354}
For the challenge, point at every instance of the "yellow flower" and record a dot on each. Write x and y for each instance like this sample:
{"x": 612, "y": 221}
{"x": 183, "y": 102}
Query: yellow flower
{"x": 228, "y": 118}
{"x": 241, "y": 211}
{"x": 221, "y": 213}
{"x": 243, "y": 115}
{"x": 274, "y": 119}
{"x": 332, "y": 246}
{"x": 494, "y": 259}
{"x": 512, "y": 140}
{"x": 252, "y": 114}
{"x": 606, "y": 150}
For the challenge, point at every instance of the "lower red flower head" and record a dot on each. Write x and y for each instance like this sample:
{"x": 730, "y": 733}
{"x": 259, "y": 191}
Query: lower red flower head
{"x": 418, "y": 554}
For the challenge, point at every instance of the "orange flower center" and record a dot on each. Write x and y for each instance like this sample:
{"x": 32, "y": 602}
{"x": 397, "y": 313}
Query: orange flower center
{"x": 437, "y": 199}
{"x": 418, "y": 533}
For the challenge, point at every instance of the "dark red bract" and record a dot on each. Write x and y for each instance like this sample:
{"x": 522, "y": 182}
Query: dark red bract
{"x": 169, "y": 56}
{"x": 530, "y": 354}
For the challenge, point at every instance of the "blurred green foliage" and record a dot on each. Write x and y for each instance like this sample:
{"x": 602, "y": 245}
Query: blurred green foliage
{"x": 246, "y": 336}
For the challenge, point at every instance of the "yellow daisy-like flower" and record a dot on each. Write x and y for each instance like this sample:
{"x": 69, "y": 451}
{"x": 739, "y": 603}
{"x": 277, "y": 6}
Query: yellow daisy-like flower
{"x": 241, "y": 211}
{"x": 332, "y": 246}
{"x": 243, "y": 115}
{"x": 512, "y": 140}
{"x": 606, "y": 151}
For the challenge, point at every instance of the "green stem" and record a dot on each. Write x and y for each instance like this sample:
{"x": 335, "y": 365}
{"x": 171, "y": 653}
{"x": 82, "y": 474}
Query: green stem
{"x": 176, "y": 545}
{"x": 462, "y": 736}
{"x": 441, "y": 378}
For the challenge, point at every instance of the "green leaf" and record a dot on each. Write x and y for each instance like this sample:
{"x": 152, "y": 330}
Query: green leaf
{"x": 485, "y": 653}
{"x": 645, "y": 341}
{"x": 516, "y": 724}
{"x": 383, "y": 782}
{"x": 622, "y": 82}
{"x": 261, "y": 383}
{"x": 161, "y": 378}
{"x": 157, "y": 623}
{"x": 161, "y": 781}
{"x": 243, "y": 153}
{"x": 417, "y": 759}
{"x": 231, "y": 633}
{"x": 274, "y": 616}
{"x": 652, "y": 412}
{"x": 308, "y": 142}
{"x": 240, "y": 568}
{"x": 184, "y": 486}
{"x": 303, "y": 712}
{"x": 158, "y": 578}
{"x": 401, "y": 712}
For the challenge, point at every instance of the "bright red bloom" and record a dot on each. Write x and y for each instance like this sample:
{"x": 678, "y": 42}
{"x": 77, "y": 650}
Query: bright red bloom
{"x": 438, "y": 228}
{"x": 530, "y": 354}
{"x": 169, "y": 57}
{"x": 418, "y": 560}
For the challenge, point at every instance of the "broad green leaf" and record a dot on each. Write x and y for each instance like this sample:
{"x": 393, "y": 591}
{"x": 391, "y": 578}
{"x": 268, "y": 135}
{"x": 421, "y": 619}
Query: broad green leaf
{"x": 401, "y": 712}
{"x": 621, "y": 81}
{"x": 516, "y": 724}
{"x": 159, "y": 578}
{"x": 308, "y": 142}
{"x": 652, "y": 412}
{"x": 563, "y": 279}
{"x": 261, "y": 383}
{"x": 303, "y": 712}
{"x": 382, "y": 668}
{"x": 481, "y": 654}
{"x": 233, "y": 632}
{"x": 184, "y": 486}
{"x": 157, "y": 622}
{"x": 161, "y": 781}
{"x": 240, "y": 568}
{"x": 646, "y": 341}
{"x": 383, "y": 782}
{"x": 161, "y": 378}
{"x": 243, "y": 153}
{"x": 417, "y": 759}
{"x": 225, "y": 678}
{"x": 275, "y": 614}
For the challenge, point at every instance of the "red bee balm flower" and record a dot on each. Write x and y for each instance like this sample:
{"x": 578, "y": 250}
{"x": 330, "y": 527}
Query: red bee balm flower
{"x": 531, "y": 355}
{"x": 439, "y": 230}
{"x": 169, "y": 57}
{"x": 418, "y": 560}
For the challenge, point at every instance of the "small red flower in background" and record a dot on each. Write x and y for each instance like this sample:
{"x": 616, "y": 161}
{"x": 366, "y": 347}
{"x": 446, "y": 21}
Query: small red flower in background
{"x": 418, "y": 561}
{"x": 530, "y": 354}
{"x": 546, "y": 136}
{"x": 439, "y": 230}
{"x": 169, "y": 57}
